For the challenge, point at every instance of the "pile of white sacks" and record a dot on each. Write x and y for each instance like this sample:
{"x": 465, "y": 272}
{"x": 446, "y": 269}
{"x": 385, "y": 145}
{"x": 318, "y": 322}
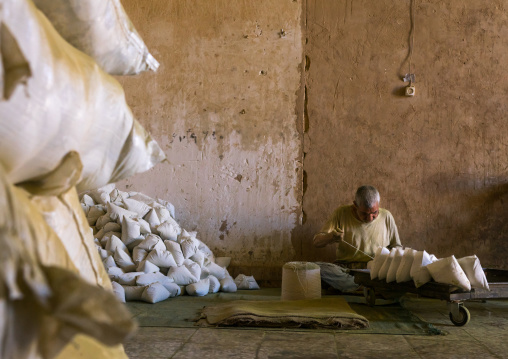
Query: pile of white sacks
{"x": 402, "y": 265}
{"x": 146, "y": 253}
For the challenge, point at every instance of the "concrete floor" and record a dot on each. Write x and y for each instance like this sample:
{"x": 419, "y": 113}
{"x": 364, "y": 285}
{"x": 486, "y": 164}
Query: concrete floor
{"x": 484, "y": 337}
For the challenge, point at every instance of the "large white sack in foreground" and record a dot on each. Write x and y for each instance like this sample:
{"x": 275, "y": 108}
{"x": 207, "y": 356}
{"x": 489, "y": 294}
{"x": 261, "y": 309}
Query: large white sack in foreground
{"x": 419, "y": 272}
{"x": 101, "y": 29}
{"x": 448, "y": 271}
{"x": 64, "y": 105}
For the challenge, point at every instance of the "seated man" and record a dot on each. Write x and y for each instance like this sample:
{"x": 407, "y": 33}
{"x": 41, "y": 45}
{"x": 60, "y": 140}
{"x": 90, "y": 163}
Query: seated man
{"x": 359, "y": 229}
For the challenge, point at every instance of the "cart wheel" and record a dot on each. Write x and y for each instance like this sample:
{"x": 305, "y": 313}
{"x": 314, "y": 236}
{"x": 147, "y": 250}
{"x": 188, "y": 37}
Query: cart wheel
{"x": 370, "y": 296}
{"x": 463, "y": 317}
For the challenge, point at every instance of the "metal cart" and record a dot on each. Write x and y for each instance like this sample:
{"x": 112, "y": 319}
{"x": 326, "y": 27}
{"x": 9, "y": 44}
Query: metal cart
{"x": 459, "y": 314}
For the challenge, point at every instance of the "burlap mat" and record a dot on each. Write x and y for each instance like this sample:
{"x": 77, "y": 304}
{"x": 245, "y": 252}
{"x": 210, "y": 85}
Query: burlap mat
{"x": 329, "y": 313}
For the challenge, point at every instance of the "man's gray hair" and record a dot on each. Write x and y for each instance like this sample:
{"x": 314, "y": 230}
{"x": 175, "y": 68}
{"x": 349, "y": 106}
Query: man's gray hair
{"x": 367, "y": 196}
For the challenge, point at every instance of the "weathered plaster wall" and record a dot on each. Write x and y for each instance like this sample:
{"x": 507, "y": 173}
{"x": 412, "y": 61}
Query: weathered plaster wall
{"x": 440, "y": 159}
{"x": 223, "y": 106}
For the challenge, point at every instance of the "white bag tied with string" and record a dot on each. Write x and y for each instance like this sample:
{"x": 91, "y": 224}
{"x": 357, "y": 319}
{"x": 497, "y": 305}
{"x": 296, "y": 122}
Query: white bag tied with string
{"x": 155, "y": 293}
{"x": 181, "y": 275}
{"x": 394, "y": 266}
{"x": 161, "y": 258}
{"x": 228, "y": 285}
{"x": 152, "y": 242}
{"x": 64, "y": 98}
{"x": 243, "y": 281}
{"x": 419, "y": 272}
{"x": 404, "y": 271}
{"x": 101, "y": 29}
{"x": 136, "y": 206}
{"x": 146, "y": 266}
{"x": 189, "y": 247}
{"x": 176, "y": 251}
{"x": 131, "y": 231}
{"x": 167, "y": 231}
{"x": 383, "y": 271}
{"x": 474, "y": 272}
{"x": 193, "y": 267}
{"x": 115, "y": 243}
{"x": 300, "y": 280}
{"x": 448, "y": 271}
{"x": 378, "y": 261}
{"x": 118, "y": 291}
{"x": 199, "y": 289}
{"x": 153, "y": 220}
{"x": 124, "y": 261}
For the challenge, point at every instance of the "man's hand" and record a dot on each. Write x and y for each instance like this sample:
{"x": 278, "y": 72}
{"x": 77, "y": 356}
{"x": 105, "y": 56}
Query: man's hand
{"x": 323, "y": 239}
{"x": 337, "y": 236}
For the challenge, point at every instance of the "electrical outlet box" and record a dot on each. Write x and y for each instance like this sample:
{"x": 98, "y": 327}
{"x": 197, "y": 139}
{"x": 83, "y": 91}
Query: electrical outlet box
{"x": 410, "y": 91}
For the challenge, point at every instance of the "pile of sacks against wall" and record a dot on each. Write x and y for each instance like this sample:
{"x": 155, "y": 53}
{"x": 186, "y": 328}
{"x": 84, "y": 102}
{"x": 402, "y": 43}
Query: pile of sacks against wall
{"x": 147, "y": 254}
{"x": 402, "y": 265}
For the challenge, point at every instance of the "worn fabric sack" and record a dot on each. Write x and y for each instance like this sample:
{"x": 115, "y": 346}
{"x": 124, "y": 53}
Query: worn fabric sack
{"x": 199, "y": 289}
{"x": 448, "y": 271}
{"x": 57, "y": 94}
{"x": 383, "y": 271}
{"x": 243, "y": 281}
{"x": 155, "y": 293}
{"x": 404, "y": 271}
{"x": 101, "y": 29}
{"x": 419, "y": 272}
{"x": 379, "y": 259}
{"x": 474, "y": 272}
{"x": 394, "y": 266}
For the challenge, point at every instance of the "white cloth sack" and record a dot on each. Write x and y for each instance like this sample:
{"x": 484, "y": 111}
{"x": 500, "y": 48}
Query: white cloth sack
{"x": 176, "y": 251}
{"x": 217, "y": 271}
{"x": 243, "y": 281}
{"x": 419, "y": 272}
{"x": 379, "y": 259}
{"x": 133, "y": 292}
{"x": 101, "y": 29}
{"x": 199, "y": 289}
{"x": 181, "y": 275}
{"x": 394, "y": 266}
{"x": 118, "y": 291}
{"x": 404, "y": 271}
{"x": 161, "y": 258}
{"x": 383, "y": 271}
{"x": 64, "y": 99}
{"x": 214, "y": 284}
{"x": 146, "y": 266}
{"x": 228, "y": 285}
{"x": 474, "y": 272}
{"x": 448, "y": 271}
{"x": 155, "y": 293}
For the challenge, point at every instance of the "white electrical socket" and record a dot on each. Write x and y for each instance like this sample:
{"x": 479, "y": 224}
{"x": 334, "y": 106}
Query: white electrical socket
{"x": 410, "y": 90}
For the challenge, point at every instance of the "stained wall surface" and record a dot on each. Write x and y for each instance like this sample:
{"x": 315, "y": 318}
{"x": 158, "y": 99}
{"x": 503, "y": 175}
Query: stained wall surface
{"x": 440, "y": 158}
{"x": 223, "y": 107}
{"x": 226, "y": 107}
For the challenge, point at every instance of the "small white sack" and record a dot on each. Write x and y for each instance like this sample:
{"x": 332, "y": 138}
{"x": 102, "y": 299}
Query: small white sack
{"x": 448, "y": 271}
{"x": 167, "y": 231}
{"x": 115, "y": 243}
{"x": 161, "y": 258}
{"x": 228, "y": 285}
{"x": 199, "y": 289}
{"x": 152, "y": 220}
{"x": 118, "y": 291}
{"x": 143, "y": 225}
{"x": 394, "y": 266}
{"x": 118, "y": 213}
{"x": 112, "y": 227}
{"x": 109, "y": 262}
{"x": 404, "y": 271}
{"x": 379, "y": 259}
{"x": 155, "y": 293}
{"x": 246, "y": 282}
{"x": 124, "y": 261}
{"x": 146, "y": 266}
{"x": 152, "y": 242}
{"x": 189, "y": 247}
{"x": 474, "y": 272}
{"x": 181, "y": 275}
{"x": 139, "y": 254}
{"x": 140, "y": 208}
{"x": 214, "y": 284}
{"x": 194, "y": 268}
{"x": 94, "y": 214}
{"x": 216, "y": 270}
{"x": 176, "y": 251}
{"x": 198, "y": 257}
{"x": 383, "y": 271}
{"x": 131, "y": 231}
{"x": 419, "y": 272}
{"x": 133, "y": 292}
{"x": 114, "y": 273}
{"x": 129, "y": 278}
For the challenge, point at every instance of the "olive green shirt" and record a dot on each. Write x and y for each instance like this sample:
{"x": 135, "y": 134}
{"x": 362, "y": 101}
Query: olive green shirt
{"x": 364, "y": 237}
